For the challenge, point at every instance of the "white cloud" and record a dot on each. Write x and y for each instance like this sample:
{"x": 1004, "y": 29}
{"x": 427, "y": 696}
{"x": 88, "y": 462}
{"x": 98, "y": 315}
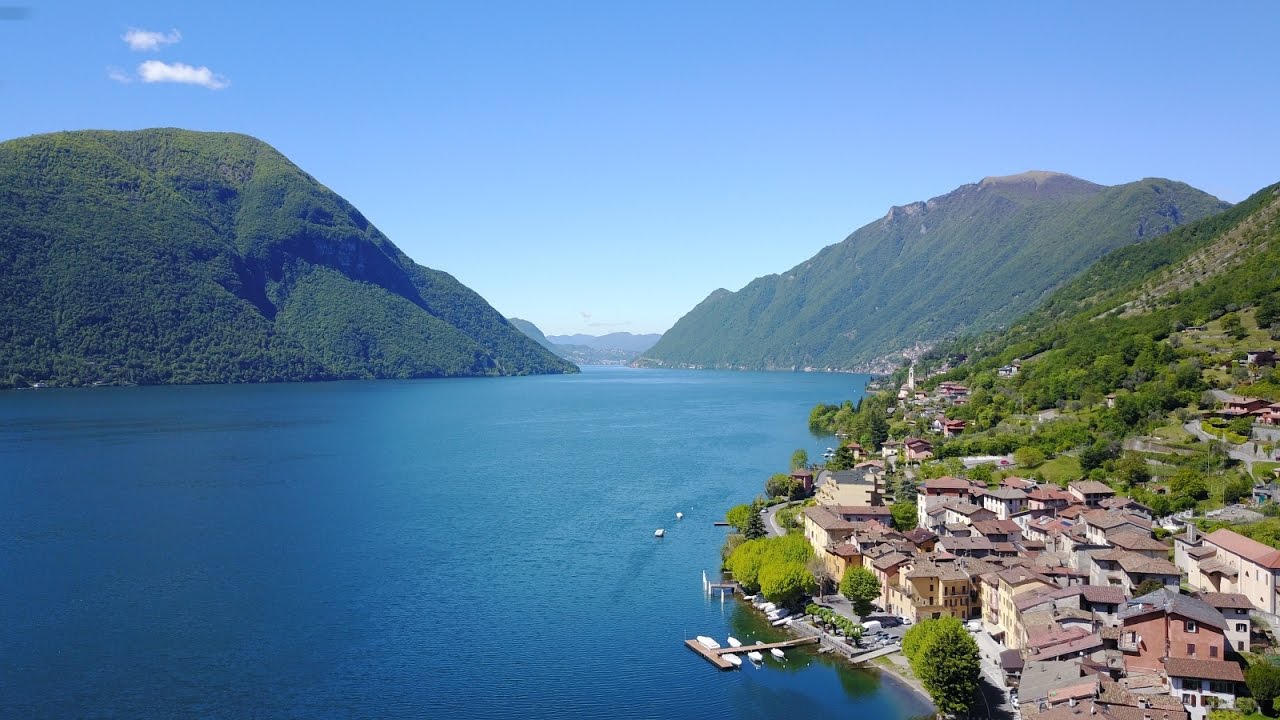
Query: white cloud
{"x": 150, "y": 39}
{"x": 119, "y": 75}
{"x": 155, "y": 71}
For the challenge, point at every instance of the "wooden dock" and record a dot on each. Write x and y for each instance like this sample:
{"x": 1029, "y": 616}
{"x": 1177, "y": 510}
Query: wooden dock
{"x": 714, "y": 656}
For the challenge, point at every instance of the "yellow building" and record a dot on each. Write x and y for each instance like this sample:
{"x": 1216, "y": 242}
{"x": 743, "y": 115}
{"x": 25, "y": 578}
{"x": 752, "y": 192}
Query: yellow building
{"x": 1009, "y": 585}
{"x": 932, "y": 589}
{"x": 862, "y": 486}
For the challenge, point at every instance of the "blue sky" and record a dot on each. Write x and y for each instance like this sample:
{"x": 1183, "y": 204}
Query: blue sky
{"x": 602, "y": 166}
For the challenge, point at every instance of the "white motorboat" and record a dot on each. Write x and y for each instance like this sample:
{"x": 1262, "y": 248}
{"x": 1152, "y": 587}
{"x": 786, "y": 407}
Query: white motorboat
{"x": 777, "y": 652}
{"x": 659, "y": 532}
{"x": 679, "y": 516}
{"x": 708, "y": 643}
{"x": 737, "y": 661}
{"x": 755, "y": 656}
{"x": 734, "y": 642}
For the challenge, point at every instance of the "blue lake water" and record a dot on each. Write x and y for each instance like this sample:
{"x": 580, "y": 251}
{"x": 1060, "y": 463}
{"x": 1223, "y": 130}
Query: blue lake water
{"x": 454, "y": 548}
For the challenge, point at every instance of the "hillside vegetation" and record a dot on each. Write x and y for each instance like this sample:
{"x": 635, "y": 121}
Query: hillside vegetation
{"x": 973, "y": 259}
{"x": 170, "y": 256}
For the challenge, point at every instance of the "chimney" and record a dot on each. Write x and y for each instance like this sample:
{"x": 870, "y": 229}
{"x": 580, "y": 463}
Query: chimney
{"x": 1191, "y": 532}
{"x": 1072, "y": 703}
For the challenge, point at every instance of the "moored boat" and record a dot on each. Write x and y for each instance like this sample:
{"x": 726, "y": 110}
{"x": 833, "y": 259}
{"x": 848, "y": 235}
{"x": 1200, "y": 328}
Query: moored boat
{"x": 755, "y": 656}
{"x": 734, "y": 642}
{"x": 737, "y": 661}
{"x": 709, "y": 643}
{"x": 659, "y": 532}
{"x": 777, "y": 652}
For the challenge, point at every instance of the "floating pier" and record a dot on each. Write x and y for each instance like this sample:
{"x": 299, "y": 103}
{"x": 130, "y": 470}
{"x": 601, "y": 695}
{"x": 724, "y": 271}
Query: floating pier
{"x": 713, "y": 656}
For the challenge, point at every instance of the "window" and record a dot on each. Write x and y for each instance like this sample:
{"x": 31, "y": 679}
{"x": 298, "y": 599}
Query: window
{"x": 1242, "y": 627}
{"x": 1240, "y": 645}
{"x": 1226, "y": 688}
{"x": 1188, "y": 699}
{"x": 1191, "y": 626}
{"x": 1191, "y": 650}
{"x": 1213, "y": 651}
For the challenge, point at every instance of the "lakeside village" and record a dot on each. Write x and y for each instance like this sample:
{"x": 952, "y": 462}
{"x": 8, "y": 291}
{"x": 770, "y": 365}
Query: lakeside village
{"x": 1059, "y": 596}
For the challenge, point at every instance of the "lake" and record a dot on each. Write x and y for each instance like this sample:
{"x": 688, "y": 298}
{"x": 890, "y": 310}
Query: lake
{"x": 474, "y": 548}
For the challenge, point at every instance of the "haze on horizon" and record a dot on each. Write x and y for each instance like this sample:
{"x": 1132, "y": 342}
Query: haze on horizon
{"x": 603, "y": 168}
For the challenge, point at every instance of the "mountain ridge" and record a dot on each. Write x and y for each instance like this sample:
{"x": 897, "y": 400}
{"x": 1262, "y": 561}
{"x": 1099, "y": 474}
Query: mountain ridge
{"x": 174, "y": 256}
{"x": 970, "y": 259}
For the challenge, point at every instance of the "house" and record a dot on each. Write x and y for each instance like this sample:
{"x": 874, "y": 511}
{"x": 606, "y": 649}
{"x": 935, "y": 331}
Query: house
{"x": 890, "y": 449}
{"x": 1100, "y": 524}
{"x": 918, "y": 450}
{"x": 933, "y": 587}
{"x": 1139, "y": 542}
{"x": 1234, "y": 407}
{"x": 1260, "y": 358}
{"x": 1009, "y": 585}
{"x": 922, "y": 539}
{"x": 1225, "y": 561}
{"x": 824, "y": 528}
{"x": 965, "y": 546}
{"x": 861, "y": 485}
{"x": 951, "y": 428}
{"x": 1235, "y": 611}
{"x": 1049, "y": 498}
{"x": 886, "y": 568}
{"x": 1007, "y": 371}
{"x": 1090, "y": 492}
{"x": 933, "y": 492}
{"x": 1164, "y": 624}
{"x": 804, "y": 477}
{"x": 1005, "y": 502}
{"x": 1203, "y": 684}
{"x": 999, "y": 530}
{"x": 1128, "y": 570}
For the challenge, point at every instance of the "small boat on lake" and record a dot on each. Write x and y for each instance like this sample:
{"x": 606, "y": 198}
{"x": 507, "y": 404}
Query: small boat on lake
{"x": 679, "y": 516}
{"x": 734, "y": 642}
{"x": 659, "y": 533}
{"x": 737, "y": 661}
{"x": 755, "y": 656}
{"x": 708, "y": 643}
{"x": 777, "y": 652}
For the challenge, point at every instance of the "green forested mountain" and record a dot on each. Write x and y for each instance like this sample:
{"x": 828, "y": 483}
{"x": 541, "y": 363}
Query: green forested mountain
{"x": 973, "y": 259}
{"x": 1118, "y": 326}
{"x": 169, "y": 256}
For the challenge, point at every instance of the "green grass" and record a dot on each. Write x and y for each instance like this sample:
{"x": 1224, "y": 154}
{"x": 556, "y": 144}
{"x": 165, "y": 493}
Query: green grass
{"x": 1173, "y": 433}
{"x": 1262, "y": 470}
{"x": 1062, "y": 469}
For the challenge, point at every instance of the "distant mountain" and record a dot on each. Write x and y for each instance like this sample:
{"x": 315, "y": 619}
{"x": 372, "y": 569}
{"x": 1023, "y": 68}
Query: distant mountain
{"x": 612, "y": 349}
{"x": 532, "y": 331}
{"x": 170, "y": 256}
{"x": 624, "y": 341}
{"x": 973, "y": 259}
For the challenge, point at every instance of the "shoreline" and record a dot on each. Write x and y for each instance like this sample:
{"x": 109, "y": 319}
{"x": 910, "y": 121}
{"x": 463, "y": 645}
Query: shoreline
{"x": 890, "y": 669}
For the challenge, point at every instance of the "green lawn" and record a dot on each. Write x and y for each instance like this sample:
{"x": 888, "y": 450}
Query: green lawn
{"x": 1173, "y": 433}
{"x": 1061, "y": 469}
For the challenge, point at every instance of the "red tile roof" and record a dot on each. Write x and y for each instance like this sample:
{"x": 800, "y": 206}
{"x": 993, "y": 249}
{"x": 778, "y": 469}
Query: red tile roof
{"x": 1251, "y": 550}
{"x": 1203, "y": 669}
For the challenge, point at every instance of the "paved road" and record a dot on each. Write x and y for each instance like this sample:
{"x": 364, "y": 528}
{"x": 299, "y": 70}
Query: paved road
{"x": 1243, "y": 453}
{"x": 771, "y": 526}
{"x": 993, "y": 697}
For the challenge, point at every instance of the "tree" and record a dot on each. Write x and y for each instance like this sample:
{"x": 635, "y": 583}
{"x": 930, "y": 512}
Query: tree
{"x": 1263, "y": 680}
{"x": 861, "y": 587}
{"x": 754, "y": 529}
{"x": 1028, "y": 457}
{"x": 1188, "y": 483}
{"x": 1093, "y": 456}
{"x": 786, "y": 583}
{"x": 739, "y": 515}
{"x": 799, "y": 459}
{"x": 945, "y": 658}
{"x": 1147, "y": 586}
{"x": 904, "y": 515}
{"x": 780, "y": 485}
{"x": 981, "y": 473}
{"x": 1132, "y": 469}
